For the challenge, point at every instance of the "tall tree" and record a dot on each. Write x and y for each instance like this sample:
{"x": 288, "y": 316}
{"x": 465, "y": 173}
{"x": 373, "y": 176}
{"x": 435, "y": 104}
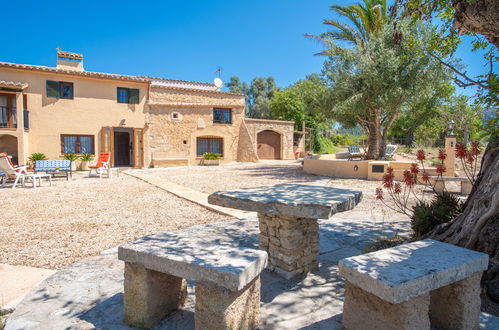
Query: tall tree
{"x": 478, "y": 226}
{"x": 363, "y": 21}
{"x": 475, "y": 18}
{"x": 303, "y": 102}
{"x": 371, "y": 85}
{"x": 258, "y": 95}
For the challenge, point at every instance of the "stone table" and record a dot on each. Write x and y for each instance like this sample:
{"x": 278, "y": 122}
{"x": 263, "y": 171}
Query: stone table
{"x": 288, "y": 215}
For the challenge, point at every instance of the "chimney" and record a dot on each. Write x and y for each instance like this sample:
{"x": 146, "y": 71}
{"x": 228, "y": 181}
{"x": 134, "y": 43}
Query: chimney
{"x": 69, "y": 61}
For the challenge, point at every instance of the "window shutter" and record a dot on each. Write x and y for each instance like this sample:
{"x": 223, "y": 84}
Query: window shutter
{"x": 133, "y": 96}
{"x": 53, "y": 89}
{"x": 118, "y": 94}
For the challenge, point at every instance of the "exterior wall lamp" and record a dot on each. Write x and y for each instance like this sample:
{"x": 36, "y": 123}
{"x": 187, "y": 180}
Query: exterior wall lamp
{"x": 451, "y": 127}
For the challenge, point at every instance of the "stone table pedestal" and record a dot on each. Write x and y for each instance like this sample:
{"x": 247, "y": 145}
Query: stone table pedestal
{"x": 288, "y": 215}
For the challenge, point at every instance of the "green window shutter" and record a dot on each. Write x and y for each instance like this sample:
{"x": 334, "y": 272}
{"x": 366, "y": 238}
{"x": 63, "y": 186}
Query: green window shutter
{"x": 133, "y": 96}
{"x": 53, "y": 89}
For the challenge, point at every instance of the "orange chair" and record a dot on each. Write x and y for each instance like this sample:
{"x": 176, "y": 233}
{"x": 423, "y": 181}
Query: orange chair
{"x": 102, "y": 165}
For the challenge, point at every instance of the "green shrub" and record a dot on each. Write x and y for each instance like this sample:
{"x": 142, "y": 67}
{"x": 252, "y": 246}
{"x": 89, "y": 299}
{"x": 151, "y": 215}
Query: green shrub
{"x": 406, "y": 150}
{"x": 211, "y": 155}
{"x": 426, "y": 216}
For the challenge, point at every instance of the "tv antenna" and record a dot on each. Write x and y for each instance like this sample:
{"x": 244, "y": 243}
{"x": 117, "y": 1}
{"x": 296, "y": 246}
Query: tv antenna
{"x": 219, "y": 71}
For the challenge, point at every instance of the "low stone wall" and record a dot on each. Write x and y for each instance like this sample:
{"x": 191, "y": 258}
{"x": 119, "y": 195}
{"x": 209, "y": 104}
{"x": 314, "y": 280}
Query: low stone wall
{"x": 356, "y": 169}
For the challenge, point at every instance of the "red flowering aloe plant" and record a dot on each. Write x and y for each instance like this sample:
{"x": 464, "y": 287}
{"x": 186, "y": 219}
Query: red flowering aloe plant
{"x": 469, "y": 159}
{"x": 399, "y": 193}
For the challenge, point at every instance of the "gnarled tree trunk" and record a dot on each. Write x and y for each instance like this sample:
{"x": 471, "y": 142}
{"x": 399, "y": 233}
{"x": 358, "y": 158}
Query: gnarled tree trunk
{"x": 477, "y": 227}
{"x": 479, "y": 16}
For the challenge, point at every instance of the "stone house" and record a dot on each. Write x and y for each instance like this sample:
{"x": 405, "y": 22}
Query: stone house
{"x": 142, "y": 121}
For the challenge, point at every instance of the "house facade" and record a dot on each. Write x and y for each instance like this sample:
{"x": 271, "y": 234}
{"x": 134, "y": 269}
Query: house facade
{"x": 142, "y": 121}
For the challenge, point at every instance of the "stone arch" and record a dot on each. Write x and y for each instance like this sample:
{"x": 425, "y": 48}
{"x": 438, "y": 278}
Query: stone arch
{"x": 8, "y": 144}
{"x": 269, "y": 144}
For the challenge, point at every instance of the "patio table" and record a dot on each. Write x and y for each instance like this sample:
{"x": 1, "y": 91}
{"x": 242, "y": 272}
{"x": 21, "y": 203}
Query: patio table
{"x": 288, "y": 215}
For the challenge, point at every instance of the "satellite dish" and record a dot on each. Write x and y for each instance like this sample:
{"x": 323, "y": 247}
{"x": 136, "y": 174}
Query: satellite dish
{"x": 218, "y": 82}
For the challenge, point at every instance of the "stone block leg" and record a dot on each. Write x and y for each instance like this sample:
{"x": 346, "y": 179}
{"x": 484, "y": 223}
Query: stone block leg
{"x": 292, "y": 243}
{"x": 363, "y": 310}
{"x": 219, "y": 309}
{"x": 150, "y": 295}
{"x": 456, "y": 306}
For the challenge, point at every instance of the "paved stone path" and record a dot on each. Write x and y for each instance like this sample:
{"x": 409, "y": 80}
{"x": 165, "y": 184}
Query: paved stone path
{"x": 89, "y": 294}
{"x": 17, "y": 281}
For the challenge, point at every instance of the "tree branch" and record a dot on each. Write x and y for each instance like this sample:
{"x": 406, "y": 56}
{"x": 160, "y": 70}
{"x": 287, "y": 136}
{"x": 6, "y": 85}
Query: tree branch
{"x": 472, "y": 82}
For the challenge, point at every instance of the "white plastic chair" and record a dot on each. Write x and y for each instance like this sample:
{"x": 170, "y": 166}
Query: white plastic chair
{"x": 12, "y": 172}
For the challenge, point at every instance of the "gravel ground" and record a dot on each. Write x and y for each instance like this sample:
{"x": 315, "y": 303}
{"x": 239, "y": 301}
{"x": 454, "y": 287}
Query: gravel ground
{"x": 54, "y": 227}
{"x": 209, "y": 179}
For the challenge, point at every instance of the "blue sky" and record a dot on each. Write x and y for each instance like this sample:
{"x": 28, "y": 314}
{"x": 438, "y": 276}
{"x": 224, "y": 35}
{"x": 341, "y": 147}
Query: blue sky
{"x": 175, "y": 39}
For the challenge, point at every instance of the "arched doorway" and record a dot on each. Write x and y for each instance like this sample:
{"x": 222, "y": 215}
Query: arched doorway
{"x": 269, "y": 145}
{"x": 8, "y": 144}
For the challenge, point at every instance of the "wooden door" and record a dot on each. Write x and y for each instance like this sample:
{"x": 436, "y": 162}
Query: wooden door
{"x": 107, "y": 142}
{"x": 138, "y": 147}
{"x": 269, "y": 145}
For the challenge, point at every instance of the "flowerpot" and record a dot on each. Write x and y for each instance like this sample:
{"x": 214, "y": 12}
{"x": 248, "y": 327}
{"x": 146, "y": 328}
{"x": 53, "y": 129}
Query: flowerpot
{"x": 210, "y": 162}
{"x": 84, "y": 165}
{"x": 73, "y": 166}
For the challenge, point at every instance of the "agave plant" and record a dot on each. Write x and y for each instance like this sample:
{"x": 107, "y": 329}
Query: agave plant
{"x": 36, "y": 156}
{"x": 70, "y": 157}
{"x": 86, "y": 157}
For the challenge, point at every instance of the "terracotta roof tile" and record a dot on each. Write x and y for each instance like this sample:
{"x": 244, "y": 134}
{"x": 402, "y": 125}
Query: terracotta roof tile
{"x": 13, "y": 84}
{"x": 72, "y": 72}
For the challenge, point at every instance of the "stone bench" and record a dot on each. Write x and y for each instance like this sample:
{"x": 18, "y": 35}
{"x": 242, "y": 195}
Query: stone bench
{"x": 227, "y": 279}
{"x": 466, "y": 184}
{"x": 413, "y": 286}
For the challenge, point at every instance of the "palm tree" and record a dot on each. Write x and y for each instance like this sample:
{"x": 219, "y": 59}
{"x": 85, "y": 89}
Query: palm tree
{"x": 364, "y": 20}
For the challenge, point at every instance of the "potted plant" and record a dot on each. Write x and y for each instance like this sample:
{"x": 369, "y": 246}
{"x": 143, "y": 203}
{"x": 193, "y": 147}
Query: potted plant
{"x": 72, "y": 158}
{"x": 34, "y": 157}
{"x": 85, "y": 160}
{"x": 210, "y": 158}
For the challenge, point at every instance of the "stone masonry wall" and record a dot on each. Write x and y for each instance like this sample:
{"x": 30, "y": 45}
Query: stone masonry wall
{"x": 178, "y": 96}
{"x": 246, "y": 150}
{"x": 284, "y": 128}
{"x": 172, "y": 138}
{"x": 292, "y": 243}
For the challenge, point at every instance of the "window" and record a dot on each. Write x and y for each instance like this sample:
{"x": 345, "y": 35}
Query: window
{"x": 207, "y": 144}
{"x": 77, "y": 144}
{"x": 223, "y": 116}
{"x": 60, "y": 89}
{"x": 122, "y": 95}
{"x": 66, "y": 90}
{"x": 127, "y": 95}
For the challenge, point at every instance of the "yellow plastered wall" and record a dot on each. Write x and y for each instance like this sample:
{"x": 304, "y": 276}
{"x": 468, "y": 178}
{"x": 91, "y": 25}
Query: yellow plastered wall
{"x": 336, "y": 168}
{"x": 94, "y": 105}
